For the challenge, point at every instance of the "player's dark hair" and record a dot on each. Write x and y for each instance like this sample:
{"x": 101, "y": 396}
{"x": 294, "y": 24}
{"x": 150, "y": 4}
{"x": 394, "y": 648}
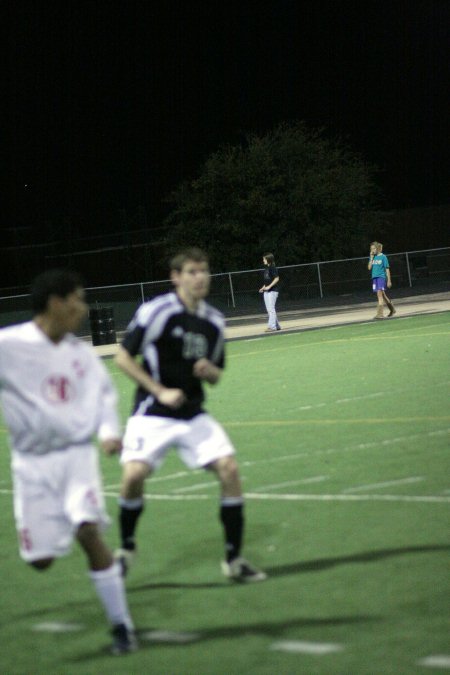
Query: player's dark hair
{"x": 192, "y": 254}
{"x": 57, "y": 282}
{"x": 270, "y": 258}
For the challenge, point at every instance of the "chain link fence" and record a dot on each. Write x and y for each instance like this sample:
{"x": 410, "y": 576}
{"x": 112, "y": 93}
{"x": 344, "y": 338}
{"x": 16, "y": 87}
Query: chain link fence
{"x": 236, "y": 293}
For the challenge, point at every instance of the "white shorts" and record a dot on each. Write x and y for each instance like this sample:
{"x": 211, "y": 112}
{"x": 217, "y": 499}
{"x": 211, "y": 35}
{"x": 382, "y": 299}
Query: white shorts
{"x": 53, "y": 494}
{"x": 199, "y": 441}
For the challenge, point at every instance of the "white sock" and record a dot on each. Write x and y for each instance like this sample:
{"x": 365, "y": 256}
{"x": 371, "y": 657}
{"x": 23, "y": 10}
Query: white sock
{"x": 111, "y": 591}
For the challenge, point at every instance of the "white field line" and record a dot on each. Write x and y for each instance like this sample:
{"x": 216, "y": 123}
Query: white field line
{"x": 388, "y": 336}
{"x": 339, "y": 401}
{"x": 436, "y": 661}
{"x": 364, "y": 397}
{"x": 324, "y": 343}
{"x": 349, "y": 448}
{"x": 301, "y": 647}
{"x": 430, "y": 499}
{"x": 301, "y": 455}
{"x": 282, "y": 458}
{"x": 158, "y": 479}
{"x": 192, "y": 488}
{"x": 309, "y": 407}
{"x": 170, "y": 637}
{"x": 388, "y": 483}
{"x": 174, "y": 476}
{"x": 57, "y": 627}
{"x": 292, "y": 457}
{"x": 165, "y": 497}
{"x": 348, "y": 498}
{"x": 290, "y": 483}
{"x": 273, "y": 460}
{"x": 337, "y": 421}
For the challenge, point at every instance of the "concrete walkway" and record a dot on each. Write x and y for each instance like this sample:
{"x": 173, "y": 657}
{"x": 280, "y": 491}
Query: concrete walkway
{"x": 292, "y": 321}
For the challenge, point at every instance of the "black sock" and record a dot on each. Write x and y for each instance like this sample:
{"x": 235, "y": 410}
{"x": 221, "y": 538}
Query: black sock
{"x": 232, "y": 517}
{"x": 130, "y": 510}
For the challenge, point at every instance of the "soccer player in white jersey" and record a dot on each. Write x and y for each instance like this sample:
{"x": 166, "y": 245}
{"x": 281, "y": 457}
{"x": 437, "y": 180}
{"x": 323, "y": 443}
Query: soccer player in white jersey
{"x": 56, "y": 396}
{"x": 180, "y": 339}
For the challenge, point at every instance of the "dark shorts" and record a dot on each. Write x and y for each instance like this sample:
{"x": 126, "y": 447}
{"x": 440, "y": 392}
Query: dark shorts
{"x": 378, "y": 284}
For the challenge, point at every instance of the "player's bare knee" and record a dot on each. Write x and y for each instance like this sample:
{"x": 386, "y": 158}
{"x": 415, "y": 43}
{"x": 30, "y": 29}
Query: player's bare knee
{"x": 42, "y": 564}
{"x": 133, "y": 479}
{"x": 227, "y": 471}
{"x": 88, "y": 533}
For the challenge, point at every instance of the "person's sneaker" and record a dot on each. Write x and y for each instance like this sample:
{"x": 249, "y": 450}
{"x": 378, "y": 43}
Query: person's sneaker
{"x": 124, "y": 640}
{"x": 392, "y": 311}
{"x": 125, "y": 558}
{"x": 240, "y": 570}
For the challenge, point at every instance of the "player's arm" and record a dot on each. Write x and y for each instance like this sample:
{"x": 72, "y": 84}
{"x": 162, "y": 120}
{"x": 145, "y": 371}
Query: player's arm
{"x": 388, "y": 277}
{"x": 173, "y": 398}
{"x": 111, "y": 446}
{"x": 273, "y": 283}
{"x": 108, "y": 433}
{"x": 206, "y": 370}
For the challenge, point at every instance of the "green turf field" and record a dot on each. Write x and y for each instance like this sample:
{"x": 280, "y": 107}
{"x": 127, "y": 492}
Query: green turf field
{"x": 343, "y": 441}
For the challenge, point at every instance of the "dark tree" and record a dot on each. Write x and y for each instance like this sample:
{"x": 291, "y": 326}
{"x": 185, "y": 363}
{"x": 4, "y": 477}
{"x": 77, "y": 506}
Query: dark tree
{"x": 293, "y": 191}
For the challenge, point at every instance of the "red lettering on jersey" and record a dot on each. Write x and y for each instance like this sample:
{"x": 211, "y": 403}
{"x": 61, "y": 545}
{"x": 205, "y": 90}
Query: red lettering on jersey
{"x": 78, "y": 368}
{"x": 58, "y": 389}
{"x": 25, "y": 539}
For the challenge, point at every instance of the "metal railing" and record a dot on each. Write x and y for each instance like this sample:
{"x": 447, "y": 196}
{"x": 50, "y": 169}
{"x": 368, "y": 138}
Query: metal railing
{"x": 236, "y": 293}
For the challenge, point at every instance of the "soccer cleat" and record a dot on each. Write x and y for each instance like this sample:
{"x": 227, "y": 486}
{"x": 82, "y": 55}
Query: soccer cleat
{"x": 240, "y": 570}
{"x": 125, "y": 558}
{"x": 124, "y": 640}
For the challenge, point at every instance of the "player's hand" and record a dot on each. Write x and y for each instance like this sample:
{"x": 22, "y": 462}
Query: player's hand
{"x": 111, "y": 446}
{"x": 206, "y": 370}
{"x": 262, "y": 289}
{"x": 172, "y": 398}
{"x": 389, "y": 284}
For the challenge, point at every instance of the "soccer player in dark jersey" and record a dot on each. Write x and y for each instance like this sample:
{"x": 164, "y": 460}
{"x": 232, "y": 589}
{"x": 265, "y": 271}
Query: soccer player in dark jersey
{"x": 180, "y": 339}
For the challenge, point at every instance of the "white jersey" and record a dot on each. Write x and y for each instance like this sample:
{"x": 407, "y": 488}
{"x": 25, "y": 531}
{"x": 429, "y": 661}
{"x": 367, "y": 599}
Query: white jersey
{"x": 53, "y": 395}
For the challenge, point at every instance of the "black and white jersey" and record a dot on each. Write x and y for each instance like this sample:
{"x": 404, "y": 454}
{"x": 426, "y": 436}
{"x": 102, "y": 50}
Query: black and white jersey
{"x": 171, "y": 339}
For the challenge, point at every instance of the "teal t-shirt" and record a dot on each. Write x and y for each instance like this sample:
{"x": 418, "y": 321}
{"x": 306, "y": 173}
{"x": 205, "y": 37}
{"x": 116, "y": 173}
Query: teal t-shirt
{"x": 379, "y": 266}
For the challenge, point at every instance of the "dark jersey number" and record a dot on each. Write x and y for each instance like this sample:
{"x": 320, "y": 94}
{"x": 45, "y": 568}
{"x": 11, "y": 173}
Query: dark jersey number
{"x": 195, "y": 346}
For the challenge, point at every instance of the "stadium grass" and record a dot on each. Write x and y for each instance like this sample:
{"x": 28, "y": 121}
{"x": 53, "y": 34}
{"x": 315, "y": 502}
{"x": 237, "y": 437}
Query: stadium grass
{"x": 342, "y": 436}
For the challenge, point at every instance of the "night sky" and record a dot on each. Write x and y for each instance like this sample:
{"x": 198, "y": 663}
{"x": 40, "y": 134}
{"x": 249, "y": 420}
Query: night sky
{"x": 111, "y": 104}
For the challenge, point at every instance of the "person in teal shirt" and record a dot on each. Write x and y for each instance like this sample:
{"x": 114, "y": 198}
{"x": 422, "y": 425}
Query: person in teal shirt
{"x": 381, "y": 278}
